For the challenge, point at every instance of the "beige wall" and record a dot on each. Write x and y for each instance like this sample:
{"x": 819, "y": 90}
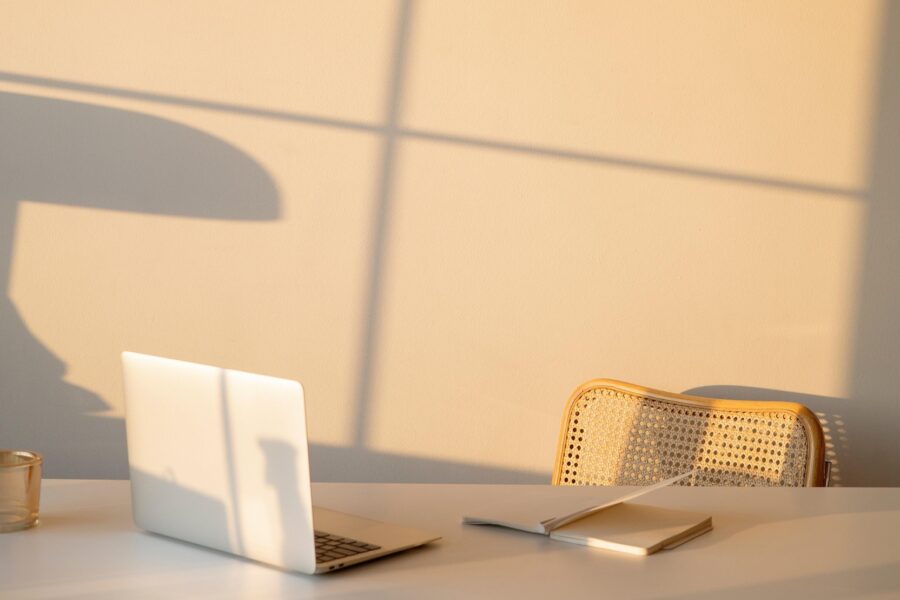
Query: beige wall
{"x": 441, "y": 217}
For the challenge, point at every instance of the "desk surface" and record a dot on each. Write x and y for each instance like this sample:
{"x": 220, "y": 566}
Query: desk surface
{"x": 766, "y": 543}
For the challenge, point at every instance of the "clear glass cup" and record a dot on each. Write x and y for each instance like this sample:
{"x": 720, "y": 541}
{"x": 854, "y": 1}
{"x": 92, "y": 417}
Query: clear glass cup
{"x": 20, "y": 489}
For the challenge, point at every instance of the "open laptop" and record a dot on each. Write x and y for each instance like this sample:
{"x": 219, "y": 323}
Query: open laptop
{"x": 220, "y": 458}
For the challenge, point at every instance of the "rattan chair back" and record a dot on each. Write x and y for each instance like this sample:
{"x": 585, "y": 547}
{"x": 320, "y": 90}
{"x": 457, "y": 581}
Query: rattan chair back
{"x": 616, "y": 433}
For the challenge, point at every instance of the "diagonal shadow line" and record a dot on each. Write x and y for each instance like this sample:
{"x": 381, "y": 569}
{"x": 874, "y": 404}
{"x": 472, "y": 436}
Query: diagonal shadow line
{"x": 627, "y": 163}
{"x": 249, "y": 111}
{"x": 381, "y": 207}
{"x": 543, "y": 151}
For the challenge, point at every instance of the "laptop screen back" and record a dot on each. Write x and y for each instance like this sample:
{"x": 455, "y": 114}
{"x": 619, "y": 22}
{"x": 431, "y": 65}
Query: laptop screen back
{"x": 219, "y": 458}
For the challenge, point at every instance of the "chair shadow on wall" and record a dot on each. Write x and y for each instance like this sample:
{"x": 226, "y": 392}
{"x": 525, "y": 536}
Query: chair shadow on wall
{"x": 828, "y": 409}
{"x": 75, "y": 154}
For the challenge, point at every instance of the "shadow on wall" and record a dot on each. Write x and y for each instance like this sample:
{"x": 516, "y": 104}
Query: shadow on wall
{"x": 875, "y": 379}
{"x": 353, "y": 463}
{"x": 829, "y": 410}
{"x": 865, "y": 448}
{"x": 76, "y": 154}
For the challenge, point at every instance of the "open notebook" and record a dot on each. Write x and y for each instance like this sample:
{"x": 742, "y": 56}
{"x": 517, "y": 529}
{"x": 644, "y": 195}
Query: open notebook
{"x": 614, "y": 525}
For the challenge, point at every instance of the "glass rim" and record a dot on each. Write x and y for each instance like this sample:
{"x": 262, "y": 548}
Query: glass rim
{"x": 28, "y": 458}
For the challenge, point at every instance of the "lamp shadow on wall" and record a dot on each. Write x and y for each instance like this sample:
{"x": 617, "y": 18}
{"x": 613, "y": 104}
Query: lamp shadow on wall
{"x": 77, "y": 154}
{"x": 70, "y": 153}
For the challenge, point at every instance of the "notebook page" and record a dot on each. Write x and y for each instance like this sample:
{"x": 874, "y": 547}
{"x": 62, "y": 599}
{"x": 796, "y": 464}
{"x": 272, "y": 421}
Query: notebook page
{"x": 551, "y": 524}
{"x": 533, "y": 511}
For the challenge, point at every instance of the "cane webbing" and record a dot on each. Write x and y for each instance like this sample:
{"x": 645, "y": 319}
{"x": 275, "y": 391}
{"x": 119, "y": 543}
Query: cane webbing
{"x": 614, "y": 437}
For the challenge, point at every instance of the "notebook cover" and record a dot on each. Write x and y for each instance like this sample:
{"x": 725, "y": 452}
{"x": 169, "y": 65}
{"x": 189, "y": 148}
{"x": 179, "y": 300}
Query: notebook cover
{"x": 635, "y": 528}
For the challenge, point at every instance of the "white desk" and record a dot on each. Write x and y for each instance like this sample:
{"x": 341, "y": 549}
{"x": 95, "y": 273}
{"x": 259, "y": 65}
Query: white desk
{"x": 767, "y": 543}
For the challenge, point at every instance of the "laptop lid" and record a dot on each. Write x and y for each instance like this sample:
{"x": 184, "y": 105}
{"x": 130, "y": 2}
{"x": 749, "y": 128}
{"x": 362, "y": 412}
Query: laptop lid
{"x": 219, "y": 458}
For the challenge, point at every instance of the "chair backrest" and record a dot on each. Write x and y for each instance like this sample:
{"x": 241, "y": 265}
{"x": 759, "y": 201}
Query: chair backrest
{"x": 616, "y": 433}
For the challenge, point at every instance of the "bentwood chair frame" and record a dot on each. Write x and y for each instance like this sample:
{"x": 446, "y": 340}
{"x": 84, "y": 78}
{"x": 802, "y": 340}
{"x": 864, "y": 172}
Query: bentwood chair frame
{"x": 617, "y": 433}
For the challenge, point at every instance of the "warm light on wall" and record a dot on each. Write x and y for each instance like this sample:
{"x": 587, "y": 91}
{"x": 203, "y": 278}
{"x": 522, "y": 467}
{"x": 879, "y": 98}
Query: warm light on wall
{"x": 478, "y": 207}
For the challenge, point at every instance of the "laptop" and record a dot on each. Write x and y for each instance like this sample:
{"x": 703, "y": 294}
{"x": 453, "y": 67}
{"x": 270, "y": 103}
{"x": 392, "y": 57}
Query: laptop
{"x": 219, "y": 458}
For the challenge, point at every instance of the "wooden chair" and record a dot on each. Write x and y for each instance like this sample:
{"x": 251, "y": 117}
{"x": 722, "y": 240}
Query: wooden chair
{"x": 616, "y": 433}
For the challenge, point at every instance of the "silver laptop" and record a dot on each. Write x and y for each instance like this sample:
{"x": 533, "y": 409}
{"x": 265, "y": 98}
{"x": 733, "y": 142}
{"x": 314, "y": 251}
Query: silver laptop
{"x": 220, "y": 458}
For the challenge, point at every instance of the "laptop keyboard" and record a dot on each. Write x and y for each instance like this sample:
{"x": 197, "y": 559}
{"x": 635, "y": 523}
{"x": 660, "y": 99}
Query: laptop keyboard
{"x": 332, "y": 547}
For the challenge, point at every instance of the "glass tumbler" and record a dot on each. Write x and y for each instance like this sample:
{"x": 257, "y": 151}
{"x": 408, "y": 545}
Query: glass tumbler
{"x": 20, "y": 489}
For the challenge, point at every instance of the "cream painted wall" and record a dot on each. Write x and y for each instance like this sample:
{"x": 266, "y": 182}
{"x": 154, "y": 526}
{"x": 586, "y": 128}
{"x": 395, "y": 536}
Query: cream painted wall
{"x": 441, "y": 217}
